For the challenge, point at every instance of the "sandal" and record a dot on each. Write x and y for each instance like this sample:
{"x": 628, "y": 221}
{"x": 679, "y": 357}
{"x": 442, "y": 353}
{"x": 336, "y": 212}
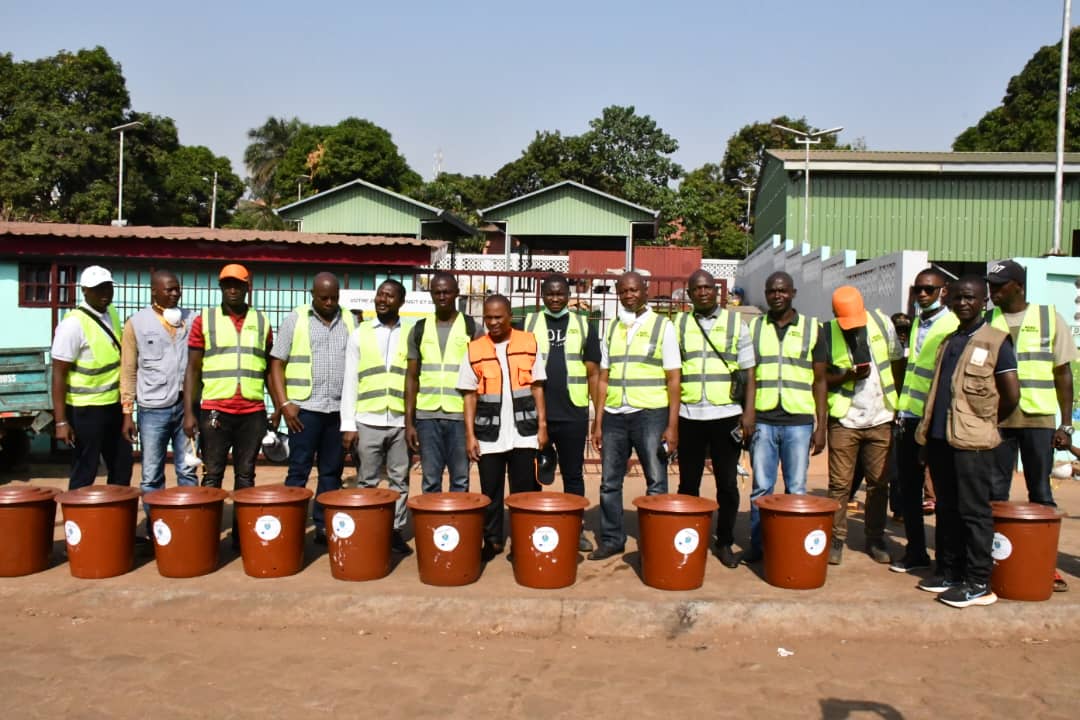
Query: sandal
{"x": 1059, "y": 582}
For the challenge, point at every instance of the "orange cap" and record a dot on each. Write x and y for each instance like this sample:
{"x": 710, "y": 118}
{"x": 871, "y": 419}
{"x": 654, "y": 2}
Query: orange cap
{"x": 847, "y": 305}
{"x": 238, "y": 272}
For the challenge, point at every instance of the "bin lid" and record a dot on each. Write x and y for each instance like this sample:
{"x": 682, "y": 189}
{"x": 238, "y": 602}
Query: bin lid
{"x": 98, "y": 495}
{"x": 553, "y": 502}
{"x": 675, "y": 503}
{"x": 271, "y": 495}
{"x": 19, "y": 493}
{"x": 799, "y": 504}
{"x": 357, "y": 497}
{"x": 1024, "y": 511}
{"x": 449, "y": 502}
{"x": 185, "y": 495}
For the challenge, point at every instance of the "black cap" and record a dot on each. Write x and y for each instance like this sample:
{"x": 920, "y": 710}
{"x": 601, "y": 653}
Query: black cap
{"x": 546, "y": 461}
{"x": 1005, "y": 270}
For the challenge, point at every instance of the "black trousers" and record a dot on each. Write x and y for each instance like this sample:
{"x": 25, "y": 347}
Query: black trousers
{"x": 97, "y": 435}
{"x": 242, "y": 434}
{"x": 910, "y": 476}
{"x": 569, "y": 437}
{"x": 696, "y": 438}
{"x": 965, "y": 525}
{"x": 1035, "y": 448}
{"x": 521, "y": 464}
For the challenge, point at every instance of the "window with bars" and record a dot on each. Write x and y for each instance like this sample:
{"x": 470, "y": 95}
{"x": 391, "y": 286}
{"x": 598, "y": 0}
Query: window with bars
{"x": 37, "y": 289}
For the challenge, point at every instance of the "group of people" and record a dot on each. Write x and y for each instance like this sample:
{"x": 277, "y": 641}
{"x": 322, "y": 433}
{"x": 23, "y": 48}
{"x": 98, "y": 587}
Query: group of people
{"x": 970, "y": 391}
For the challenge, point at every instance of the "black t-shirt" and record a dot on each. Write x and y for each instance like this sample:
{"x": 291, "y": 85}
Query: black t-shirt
{"x": 778, "y": 415}
{"x": 556, "y": 395}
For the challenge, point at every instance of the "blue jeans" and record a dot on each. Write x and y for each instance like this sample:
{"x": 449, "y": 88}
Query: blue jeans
{"x": 157, "y": 426}
{"x": 639, "y": 431}
{"x": 442, "y": 445}
{"x": 319, "y": 440}
{"x": 773, "y": 446}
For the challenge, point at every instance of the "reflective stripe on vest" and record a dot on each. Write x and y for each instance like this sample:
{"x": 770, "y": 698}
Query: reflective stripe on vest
{"x": 788, "y": 365}
{"x": 920, "y": 370}
{"x": 438, "y": 370}
{"x": 520, "y": 358}
{"x": 380, "y": 389}
{"x": 577, "y": 381}
{"x": 298, "y": 368}
{"x": 703, "y": 373}
{"x": 841, "y": 395}
{"x": 637, "y": 369}
{"x": 231, "y": 360}
{"x": 1034, "y": 358}
{"x": 95, "y": 380}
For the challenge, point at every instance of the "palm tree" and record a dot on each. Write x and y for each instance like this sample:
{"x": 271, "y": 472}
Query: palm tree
{"x": 268, "y": 145}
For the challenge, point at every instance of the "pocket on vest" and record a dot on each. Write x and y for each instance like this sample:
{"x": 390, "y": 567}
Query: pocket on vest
{"x": 525, "y": 418}
{"x": 979, "y": 389}
{"x": 487, "y": 422}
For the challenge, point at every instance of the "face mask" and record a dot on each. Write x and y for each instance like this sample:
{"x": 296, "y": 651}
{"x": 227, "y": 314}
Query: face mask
{"x": 173, "y": 316}
{"x": 933, "y": 306}
{"x": 627, "y": 317}
{"x": 562, "y": 313}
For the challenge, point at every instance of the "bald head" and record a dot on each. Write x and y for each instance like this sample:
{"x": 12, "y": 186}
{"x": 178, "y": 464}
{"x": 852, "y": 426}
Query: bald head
{"x": 164, "y": 289}
{"x": 324, "y": 295}
{"x": 632, "y": 291}
{"x": 326, "y": 281}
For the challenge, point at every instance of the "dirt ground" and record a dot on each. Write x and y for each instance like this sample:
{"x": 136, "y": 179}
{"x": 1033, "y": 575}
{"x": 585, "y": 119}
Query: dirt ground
{"x": 225, "y": 645}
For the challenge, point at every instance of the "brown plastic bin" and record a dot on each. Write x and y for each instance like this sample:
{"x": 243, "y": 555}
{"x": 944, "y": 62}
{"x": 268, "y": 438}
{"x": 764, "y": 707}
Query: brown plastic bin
{"x": 272, "y": 520}
{"x": 186, "y": 525}
{"x": 544, "y": 531}
{"x": 27, "y": 515}
{"x": 99, "y": 523}
{"x": 359, "y": 522}
{"x": 1024, "y": 550}
{"x": 449, "y": 529}
{"x": 675, "y": 531}
{"x": 797, "y": 531}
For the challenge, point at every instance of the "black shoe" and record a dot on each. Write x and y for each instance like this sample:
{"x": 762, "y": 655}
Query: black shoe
{"x": 751, "y": 556}
{"x": 320, "y": 537}
{"x": 968, "y": 594}
{"x": 878, "y": 552}
{"x": 727, "y": 556}
{"x": 583, "y": 543}
{"x": 836, "y": 552}
{"x": 490, "y": 551}
{"x": 398, "y": 544}
{"x": 904, "y": 565}
{"x": 938, "y": 584}
{"x": 604, "y": 551}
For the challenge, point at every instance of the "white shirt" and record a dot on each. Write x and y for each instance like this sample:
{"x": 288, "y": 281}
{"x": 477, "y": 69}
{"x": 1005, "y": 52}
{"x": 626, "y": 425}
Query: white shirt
{"x": 508, "y": 439}
{"x": 70, "y": 342}
{"x": 387, "y": 338}
{"x": 671, "y": 358}
{"x": 705, "y": 410}
{"x": 868, "y": 403}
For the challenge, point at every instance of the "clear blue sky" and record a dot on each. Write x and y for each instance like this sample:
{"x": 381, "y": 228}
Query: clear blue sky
{"x": 478, "y": 78}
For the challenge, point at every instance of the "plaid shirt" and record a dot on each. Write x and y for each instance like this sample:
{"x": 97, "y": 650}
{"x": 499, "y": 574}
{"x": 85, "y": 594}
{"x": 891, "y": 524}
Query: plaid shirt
{"x": 327, "y": 359}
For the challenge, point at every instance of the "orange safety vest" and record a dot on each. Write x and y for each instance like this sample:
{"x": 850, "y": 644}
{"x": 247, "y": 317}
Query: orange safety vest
{"x": 521, "y": 356}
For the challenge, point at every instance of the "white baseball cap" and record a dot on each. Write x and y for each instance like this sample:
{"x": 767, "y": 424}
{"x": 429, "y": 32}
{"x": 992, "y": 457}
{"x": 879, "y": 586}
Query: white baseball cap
{"x": 93, "y": 276}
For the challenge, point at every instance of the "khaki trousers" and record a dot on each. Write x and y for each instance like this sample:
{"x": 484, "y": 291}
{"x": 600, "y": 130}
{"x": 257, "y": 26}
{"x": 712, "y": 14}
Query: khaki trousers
{"x": 871, "y": 445}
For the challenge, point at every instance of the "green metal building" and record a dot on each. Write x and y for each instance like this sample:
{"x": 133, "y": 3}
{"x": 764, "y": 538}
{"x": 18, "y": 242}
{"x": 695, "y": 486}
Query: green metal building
{"x": 959, "y": 207}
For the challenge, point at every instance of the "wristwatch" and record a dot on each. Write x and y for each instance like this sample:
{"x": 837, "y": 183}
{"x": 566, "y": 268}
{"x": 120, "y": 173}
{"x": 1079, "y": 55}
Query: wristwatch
{"x": 1067, "y": 429}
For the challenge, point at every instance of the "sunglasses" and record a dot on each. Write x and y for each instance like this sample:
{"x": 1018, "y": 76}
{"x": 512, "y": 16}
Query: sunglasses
{"x": 926, "y": 288}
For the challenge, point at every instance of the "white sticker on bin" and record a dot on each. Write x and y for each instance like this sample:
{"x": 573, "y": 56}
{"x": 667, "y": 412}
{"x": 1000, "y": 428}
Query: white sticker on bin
{"x": 446, "y": 537}
{"x": 545, "y": 539}
{"x": 72, "y": 532}
{"x": 344, "y": 526}
{"x": 686, "y": 540}
{"x": 815, "y": 542}
{"x": 162, "y": 532}
{"x": 267, "y": 527}
{"x": 1002, "y": 547}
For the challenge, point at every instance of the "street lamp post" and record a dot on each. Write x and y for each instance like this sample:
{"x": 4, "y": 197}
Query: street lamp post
{"x": 300, "y": 180}
{"x": 749, "y": 190}
{"x": 213, "y": 204}
{"x": 1059, "y": 159}
{"x": 806, "y": 139}
{"x": 119, "y": 221}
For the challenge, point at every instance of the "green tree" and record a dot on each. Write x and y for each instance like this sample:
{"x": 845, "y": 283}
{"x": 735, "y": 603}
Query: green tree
{"x": 266, "y": 149}
{"x": 188, "y": 184}
{"x": 1026, "y": 120}
{"x": 328, "y": 156}
{"x": 745, "y": 152}
{"x": 256, "y": 215}
{"x": 711, "y": 213}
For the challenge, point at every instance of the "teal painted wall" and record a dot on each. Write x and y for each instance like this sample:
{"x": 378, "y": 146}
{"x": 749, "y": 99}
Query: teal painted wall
{"x": 25, "y": 327}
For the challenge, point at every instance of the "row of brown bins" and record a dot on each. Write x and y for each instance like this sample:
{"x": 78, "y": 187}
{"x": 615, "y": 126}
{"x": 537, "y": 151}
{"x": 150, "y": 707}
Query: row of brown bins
{"x": 99, "y": 526}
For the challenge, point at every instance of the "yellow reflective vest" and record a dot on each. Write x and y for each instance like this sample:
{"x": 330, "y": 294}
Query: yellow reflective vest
{"x": 920, "y": 369}
{"x": 298, "y": 368}
{"x": 95, "y": 380}
{"x": 1034, "y": 358}
{"x": 439, "y": 369}
{"x": 784, "y": 374}
{"x": 636, "y": 365}
{"x": 704, "y": 374}
{"x": 577, "y": 381}
{"x": 231, "y": 359}
{"x": 379, "y": 388}
{"x": 841, "y": 395}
